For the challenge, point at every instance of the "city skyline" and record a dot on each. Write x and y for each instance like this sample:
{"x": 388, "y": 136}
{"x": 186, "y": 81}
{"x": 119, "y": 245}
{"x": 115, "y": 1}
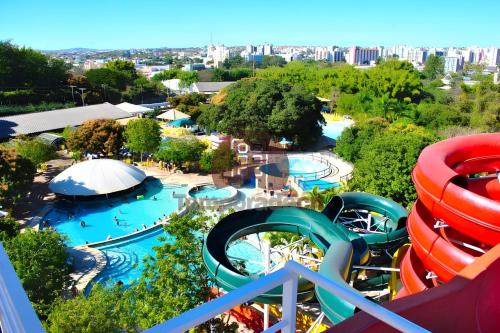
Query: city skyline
{"x": 155, "y": 24}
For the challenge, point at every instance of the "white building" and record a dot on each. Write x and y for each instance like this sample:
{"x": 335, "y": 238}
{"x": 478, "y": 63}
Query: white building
{"x": 360, "y": 56}
{"x": 453, "y": 64}
{"x": 218, "y": 53}
{"x": 267, "y": 49}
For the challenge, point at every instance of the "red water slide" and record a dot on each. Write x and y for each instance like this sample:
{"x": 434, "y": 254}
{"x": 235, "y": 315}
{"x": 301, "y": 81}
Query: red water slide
{"x": 456, "y": 217}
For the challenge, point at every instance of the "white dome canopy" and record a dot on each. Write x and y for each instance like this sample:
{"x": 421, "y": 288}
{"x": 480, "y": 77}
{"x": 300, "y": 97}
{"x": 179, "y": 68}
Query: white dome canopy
{"x": 96, "y": 177}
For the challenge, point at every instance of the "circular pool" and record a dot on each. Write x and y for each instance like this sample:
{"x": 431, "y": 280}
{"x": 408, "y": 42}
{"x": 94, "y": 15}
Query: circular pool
{"x": 208, "y": 194}
{"x": 307, "y": 166}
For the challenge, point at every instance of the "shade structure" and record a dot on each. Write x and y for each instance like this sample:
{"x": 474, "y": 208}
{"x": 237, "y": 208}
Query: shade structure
{"x": 96, "y": 177}
{"x": 173, "y": 114}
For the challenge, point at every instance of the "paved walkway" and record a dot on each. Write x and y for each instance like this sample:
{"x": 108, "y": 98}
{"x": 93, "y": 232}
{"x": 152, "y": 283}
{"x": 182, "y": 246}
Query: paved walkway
{"x": 39, "y": 195}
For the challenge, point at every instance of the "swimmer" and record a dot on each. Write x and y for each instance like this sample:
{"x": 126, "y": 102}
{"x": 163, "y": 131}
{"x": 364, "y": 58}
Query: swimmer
{"x": 154, "y": 198}
{"x": 82, "y": 223}
{"x": 109, "y": 237}
{"x": 117, "y": 222}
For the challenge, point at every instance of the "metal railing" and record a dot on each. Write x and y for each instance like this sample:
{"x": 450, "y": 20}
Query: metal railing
{"x": 315, "y": 175}
{"x": 16, "y": 313}
{"x": 288, "y": 277}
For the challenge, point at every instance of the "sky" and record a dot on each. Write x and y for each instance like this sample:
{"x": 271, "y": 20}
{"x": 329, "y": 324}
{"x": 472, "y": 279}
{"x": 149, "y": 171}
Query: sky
{"x": 115, "y": 24}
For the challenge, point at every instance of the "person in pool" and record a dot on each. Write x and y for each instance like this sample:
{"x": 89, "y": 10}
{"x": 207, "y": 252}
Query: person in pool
{"x": 154, "y": 198}
{"x": 82, "y": 223}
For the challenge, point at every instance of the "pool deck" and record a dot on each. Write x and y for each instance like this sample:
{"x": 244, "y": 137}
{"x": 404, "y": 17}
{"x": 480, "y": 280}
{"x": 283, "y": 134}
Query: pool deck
{"x": 88, "y": 262}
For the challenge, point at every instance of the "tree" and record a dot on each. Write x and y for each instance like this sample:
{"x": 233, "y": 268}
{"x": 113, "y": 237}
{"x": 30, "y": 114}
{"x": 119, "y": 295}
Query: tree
{"x": 143, "y": 135}
{"x": 186, "y": 78}
{"x": 257, "y": 110}
{"x": 179, "y": 151}
{"x": 22, "y": 67}
{"x": 206, "y": 161}
{"x": 16, "y": 175}
{"x": 297, "y": 117}
{"x": 386, "y": 162}
{"x": 36, "y": 150}
{"x": 124, "y": 66}
{"x": 223, "y": 158}
{"x": 103, "y": 310}
{"x": 9, "y": 228}
{"x": 354, "y": 138}
{"x": 39, "y": 259}
{"x": 111, "y": 78}
{"x": 98, "y": 136}
{"x": 176, "y": 279}
{"x": 316, "y": 199}
{"x": 269, "y": 61}
{"x": 434, "y": 67}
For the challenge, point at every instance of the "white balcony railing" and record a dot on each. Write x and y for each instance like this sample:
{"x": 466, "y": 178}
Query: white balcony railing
{"x": 288, "y": 277}
{"x": 16, "y": 313}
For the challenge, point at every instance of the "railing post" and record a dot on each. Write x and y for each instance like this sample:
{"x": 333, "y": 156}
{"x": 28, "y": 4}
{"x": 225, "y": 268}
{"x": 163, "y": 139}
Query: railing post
{"x": 289, "y": 306}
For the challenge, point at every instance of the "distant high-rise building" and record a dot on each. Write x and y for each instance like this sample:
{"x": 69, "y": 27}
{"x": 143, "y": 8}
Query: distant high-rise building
{"x": 267, "y": 49}
{"x": 360, "y": 56}
{"x": 218, "y": 53}
{"x": 250, "y": 49}
{"x": 453, "y": 64}
{"x": 494, "y": 56}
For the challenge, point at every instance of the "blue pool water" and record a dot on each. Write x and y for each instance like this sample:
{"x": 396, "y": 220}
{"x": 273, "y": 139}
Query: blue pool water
{"x": 210, "y": 192}
{"x": 99, "y": 216}
{"x": 296, "y": 166}
{"x": 125, "y": 259}
{"x": 333, "y": 129}
{"x": 308, "y": 185}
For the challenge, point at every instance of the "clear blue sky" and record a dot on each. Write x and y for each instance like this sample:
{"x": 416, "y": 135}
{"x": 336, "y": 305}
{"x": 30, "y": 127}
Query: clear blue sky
{"x": 107, "y": 24}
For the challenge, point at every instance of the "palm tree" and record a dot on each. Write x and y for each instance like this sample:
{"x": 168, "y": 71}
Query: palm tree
{"x": 316, "y": 199}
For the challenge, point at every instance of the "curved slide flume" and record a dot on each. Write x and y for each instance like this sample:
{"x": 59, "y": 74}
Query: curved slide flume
{"x": 456, "y": 218}
{"x": 342, "y": 247}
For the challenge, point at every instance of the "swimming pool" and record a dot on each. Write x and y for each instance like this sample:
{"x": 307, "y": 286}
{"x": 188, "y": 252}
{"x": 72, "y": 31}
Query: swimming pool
{"x": 333, "y": 129}
{"x": 133, "y": 211}
{"x": 296, "y": 166}
{"x": 308, "y": 185}
{"x": 210, "y": 192}
{"x": 125, "y": 259}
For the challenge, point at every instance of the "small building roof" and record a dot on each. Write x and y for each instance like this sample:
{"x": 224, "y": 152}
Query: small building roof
{"x": 209, "y": 87}
{"x": 50, "y": 138}
{"x": 172, "y": 114}
{"x": 133, "y": 108}
{"x": 38, "y": 122}
{"x": 96, "y": 177}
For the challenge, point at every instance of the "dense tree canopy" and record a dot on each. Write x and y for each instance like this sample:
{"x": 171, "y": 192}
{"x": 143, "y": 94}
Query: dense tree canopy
{"x": 179, "y": 151}
{"x": 176, "y": 280}
{"x": 102, "y": 311}
{"x": 143, "y": 135}
{"x": 434, "y": 66}
{"x": 186, "y": 78}
{"x": 255, "y": 110}
{"x": 385, "y": 163}
{"x": 25, "y": 68}
{"x": 98, "y": 136}
{"x": 9, "y": 228}
{"x": 16, "y": 175}
{"x": 39, "y": 258}
{"x": 36, "y": 150}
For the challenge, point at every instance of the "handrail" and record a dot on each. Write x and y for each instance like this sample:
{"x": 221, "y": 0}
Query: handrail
{"x": 16, "y": 312}
{"x": 315, "y": 174}
{"x": 288, "y": 277}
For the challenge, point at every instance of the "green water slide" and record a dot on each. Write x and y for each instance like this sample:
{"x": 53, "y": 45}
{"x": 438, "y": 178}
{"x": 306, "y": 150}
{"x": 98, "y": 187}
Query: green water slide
{"x": 342, "y": 247}
{"x": 388, "y": 225}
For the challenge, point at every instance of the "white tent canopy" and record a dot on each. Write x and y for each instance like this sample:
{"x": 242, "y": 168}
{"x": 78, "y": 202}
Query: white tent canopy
{"x": 96, "y": 177}
{"x": 172, "y": 114}
{"x": 132, "y": 108}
